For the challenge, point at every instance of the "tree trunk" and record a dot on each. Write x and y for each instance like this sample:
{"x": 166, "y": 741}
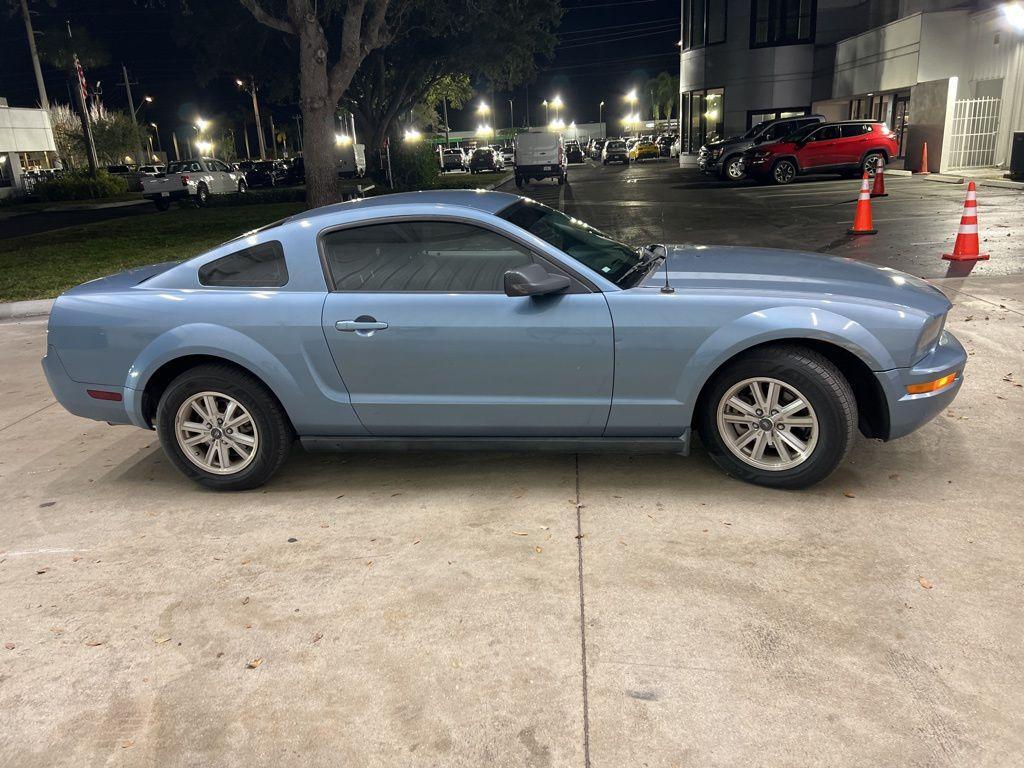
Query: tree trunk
{"x": 319, "y": 152}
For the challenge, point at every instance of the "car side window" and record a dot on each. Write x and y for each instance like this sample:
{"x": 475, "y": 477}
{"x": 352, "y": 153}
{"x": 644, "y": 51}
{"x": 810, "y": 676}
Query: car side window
{"x": 442, "y": 256}
{"x": 826, "y": 134}
{"x": 261, "y": 266}
{"x": 855, "y": 129}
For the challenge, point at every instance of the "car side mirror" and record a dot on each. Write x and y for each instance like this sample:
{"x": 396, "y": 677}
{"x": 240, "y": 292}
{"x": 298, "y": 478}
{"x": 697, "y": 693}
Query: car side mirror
{"x": 534, "y": 280}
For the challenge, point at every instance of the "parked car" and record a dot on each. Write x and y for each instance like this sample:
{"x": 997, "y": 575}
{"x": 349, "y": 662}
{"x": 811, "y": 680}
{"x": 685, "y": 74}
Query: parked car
{"x": 540, "y": 155}
{"x": 485, "y": 159}
{"x": 615, "y": 152}
{"x": 352, "y": 161}
{"x": 676, "y": 148}
{"x": 644, "y": 150}
{"x": 664, "y": 143}
{"x": 453, "y": 159}
{"x": 266, "y": 173}
{"x": 573, "y": 152}
{"x": 194, "y": 179}
{"x": 595, "y": 148}
{"x": 550, "y": 333}
{"x": 296, "y": 171}
{"x": 850, "y": 148}
{"x": 725, "y": 158}
{"x": 508, "y": 155}
{"x": 151, "y": 170}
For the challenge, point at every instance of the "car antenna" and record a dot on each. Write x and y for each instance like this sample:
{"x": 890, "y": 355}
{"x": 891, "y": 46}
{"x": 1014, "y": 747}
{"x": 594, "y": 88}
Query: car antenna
{"x": 667, "y": 287}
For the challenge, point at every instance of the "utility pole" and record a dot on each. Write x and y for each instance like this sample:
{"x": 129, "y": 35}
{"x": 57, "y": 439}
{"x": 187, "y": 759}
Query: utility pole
{"x": 245, "y": 133}
{"x": 76, "y": 74}
{"x": 511, "y": 117}
{"x": 251, "y": 88}
{"x": 43, "y": 101}
{"x": 273, "y": 136}
{"x": 447, "y": 128}
{"x": 174, "y": 141}
{"x": 298, "y": 132}
{"x": 131, "y": 107}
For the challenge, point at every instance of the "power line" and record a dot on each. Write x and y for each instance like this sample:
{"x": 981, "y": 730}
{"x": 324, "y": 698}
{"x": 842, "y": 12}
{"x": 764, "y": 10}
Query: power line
{"x": 612, "y": 39}
{"x": 588, "y": 30}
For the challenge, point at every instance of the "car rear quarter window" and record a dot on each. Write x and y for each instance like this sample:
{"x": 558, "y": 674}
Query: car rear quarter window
{"x": 855, "y": 129}
{"x": 261, "y": 266}
{"x": 434, "y": 256}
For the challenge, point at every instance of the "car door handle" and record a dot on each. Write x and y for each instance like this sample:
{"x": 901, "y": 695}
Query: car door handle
{"x": 350, "y": 326}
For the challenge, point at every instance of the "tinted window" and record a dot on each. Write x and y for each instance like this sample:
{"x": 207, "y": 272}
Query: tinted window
{"x": 261, "y": 266}
{"x": 826, "y": 133}
{"x": 855, "y": 129}
{"x": 421, "y": 256}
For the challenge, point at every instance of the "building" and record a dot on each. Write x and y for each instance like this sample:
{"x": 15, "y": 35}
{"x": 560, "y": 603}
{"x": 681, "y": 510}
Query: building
{"x": 744, "y": 61}
{"x": 943, "y": 73}
{"x": 26, "y": 146}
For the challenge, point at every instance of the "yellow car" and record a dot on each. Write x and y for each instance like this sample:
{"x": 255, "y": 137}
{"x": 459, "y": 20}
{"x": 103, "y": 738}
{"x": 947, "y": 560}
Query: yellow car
{"x": 644, "y": 150}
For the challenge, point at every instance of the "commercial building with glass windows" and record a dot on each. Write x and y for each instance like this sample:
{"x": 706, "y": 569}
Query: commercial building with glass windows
{"x": 744, "y": 61}
{"x": 27, "y": 148}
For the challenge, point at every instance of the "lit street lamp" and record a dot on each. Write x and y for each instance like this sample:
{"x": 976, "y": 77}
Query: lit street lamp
{"x": 1014, "y": 13}
{"x": 545, "y": 103}
{"x": 483, "y": 110}
{"x": 557, "y": 104}
{"x": 145, "y": 100}
{"x": 156, "y": 131}
{"x": 600, "y": 112}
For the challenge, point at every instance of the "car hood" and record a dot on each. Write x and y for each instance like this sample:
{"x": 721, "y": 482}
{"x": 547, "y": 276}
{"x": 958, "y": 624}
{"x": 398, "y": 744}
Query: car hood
{"x": 727, "y": 141}
{"x": 777, "y": 272}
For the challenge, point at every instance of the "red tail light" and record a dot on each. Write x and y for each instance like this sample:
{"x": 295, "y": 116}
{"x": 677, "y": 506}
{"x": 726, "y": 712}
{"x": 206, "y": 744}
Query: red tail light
{"x": 184, "y": 179}
{"x": 102, "y": 394}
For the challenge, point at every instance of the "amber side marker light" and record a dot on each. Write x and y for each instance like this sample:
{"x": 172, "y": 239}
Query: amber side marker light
{"x": 931, "y": 386}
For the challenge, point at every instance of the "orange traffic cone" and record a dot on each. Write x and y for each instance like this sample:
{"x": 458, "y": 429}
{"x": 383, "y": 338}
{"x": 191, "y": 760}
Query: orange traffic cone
{"x": 924, "y": 159}
{"x": 966, "y": 246}
{"x": 862, "y": 218}
{"x": 878, "y": 190}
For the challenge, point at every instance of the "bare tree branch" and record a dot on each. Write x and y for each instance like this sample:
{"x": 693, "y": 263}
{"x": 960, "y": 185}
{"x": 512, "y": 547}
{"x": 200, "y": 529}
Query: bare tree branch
{"x": 266, "y": 19}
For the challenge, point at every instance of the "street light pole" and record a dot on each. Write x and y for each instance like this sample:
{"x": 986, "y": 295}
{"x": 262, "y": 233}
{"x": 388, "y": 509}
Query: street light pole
{"x": 511, "y": 115}
{"x": 156, "y": 130}
{"x": 44, "y": 103}
{"x": 600, "y": 112}
{"x": 251, "y": 88}
{"x": 547, "y": 119}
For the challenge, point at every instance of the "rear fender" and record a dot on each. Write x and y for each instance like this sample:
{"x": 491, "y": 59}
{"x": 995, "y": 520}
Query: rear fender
{"x": 214, "y": 341}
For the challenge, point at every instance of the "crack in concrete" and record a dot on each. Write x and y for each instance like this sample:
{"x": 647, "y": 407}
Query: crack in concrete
{"x": 583, "y": 619}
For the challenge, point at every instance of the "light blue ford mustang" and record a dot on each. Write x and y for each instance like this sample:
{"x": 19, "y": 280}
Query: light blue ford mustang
{"x": 482, "y": 319}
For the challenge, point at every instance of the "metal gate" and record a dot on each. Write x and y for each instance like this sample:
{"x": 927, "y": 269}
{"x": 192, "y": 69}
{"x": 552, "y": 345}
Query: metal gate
{"x": 975, "y": 127}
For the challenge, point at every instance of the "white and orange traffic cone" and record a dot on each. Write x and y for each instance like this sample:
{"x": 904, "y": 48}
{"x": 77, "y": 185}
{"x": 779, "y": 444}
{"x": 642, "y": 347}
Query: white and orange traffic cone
{"x": 966, "y": 247}
{"x": 862, "y": 218}
{"x": 878, "y": 190}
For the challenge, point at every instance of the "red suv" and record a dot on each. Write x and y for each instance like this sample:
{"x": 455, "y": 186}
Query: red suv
{"x": 848, "y": 148}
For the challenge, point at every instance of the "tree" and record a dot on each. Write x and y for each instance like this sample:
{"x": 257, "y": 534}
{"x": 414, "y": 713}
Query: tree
{"x": 441, "y": 46}
{"x": 357, "y": 28}
{"x": 664, "y": 90}
{"x": 115, "y": 134}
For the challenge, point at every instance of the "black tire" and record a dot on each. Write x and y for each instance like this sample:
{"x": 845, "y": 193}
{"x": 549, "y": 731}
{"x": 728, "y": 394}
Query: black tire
{"x": 202, "y": 195}
{"x": 823, "y": 386}
{"x": 561, "y": 180}
{"x": 275, "y": 432}
{"x": 519, "y": 181}
{"x": 871, "y": 163}
{"x": 604, "y": 162}
{"x": 162, "y": 204}
{"x": 242, "y": 187}
{"x": 732, "y": 168}
{"x": 784, "y": 171}
{"x": 626, "y": 161}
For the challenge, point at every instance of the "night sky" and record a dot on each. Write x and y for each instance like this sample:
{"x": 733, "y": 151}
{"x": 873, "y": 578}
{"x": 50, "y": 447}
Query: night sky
{"x": 605, "y": 48}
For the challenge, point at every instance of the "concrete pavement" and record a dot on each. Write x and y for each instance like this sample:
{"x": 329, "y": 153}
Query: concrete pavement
{"x": 425, "y": 609}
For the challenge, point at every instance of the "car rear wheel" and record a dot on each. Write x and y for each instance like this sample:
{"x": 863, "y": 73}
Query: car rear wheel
{"x": 222, "y": 428}
{"x": 242, "y": 187}
{"x": 202, "y": 195}
{"x": 783, "y": 172}
{"x": 162, "y": 203}
{"x": 733, "y": 168}
{"x": 873, "y": 161}
{"x": 781, "y": 416}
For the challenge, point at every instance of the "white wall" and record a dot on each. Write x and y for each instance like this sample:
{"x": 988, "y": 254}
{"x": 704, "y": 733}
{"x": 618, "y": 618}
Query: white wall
{"x": 25, "y": 130}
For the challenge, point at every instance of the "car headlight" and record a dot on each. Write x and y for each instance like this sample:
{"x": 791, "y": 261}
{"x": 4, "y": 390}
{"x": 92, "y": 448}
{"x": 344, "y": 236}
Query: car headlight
{"x": 929, "y": 336}
{"x": 761, "y": 155}
{"x": 716, "y": 153}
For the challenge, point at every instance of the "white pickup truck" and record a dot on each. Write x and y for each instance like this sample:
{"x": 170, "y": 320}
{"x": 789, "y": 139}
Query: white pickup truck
{"x": 193, "y": 179}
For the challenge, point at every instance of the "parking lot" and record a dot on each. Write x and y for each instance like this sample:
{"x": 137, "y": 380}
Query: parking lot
{"x": 468, "y": 609}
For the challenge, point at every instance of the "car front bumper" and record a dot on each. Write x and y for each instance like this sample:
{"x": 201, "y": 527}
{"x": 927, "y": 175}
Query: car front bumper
{"x": 909, "y": 412}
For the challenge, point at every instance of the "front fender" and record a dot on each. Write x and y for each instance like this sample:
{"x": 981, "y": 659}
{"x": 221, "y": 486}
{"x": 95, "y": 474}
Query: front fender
{"x": 786, "y": 323}
{"x": 214, "y": 341}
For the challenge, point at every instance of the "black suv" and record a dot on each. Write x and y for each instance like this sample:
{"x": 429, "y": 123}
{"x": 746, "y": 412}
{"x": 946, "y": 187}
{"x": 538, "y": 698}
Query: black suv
{"x": 725, "y": 158}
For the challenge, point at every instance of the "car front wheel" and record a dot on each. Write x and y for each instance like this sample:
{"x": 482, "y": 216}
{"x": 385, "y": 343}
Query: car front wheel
{"x": 873, "y": 162}
{"x": 781, "y": 416}
{"x": 733, "y": 170}
{"x": 222, "y": 428}
{"x": 783, "y": 172}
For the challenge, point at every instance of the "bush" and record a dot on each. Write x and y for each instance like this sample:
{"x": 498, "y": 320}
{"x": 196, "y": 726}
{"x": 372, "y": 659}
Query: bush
{"x": 78, "y": 185}
{"x": 414, "y": 166}
{"x": 259, "y": 197}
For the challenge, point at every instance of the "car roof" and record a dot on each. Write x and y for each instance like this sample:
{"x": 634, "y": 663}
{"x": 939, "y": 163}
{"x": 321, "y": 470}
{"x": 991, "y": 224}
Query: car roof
{"x": 479, "y": 200}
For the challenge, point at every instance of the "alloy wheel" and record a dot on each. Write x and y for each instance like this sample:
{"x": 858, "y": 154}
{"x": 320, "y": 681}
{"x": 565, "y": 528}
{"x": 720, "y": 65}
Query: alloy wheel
{"x": 216, "y": 432}
{"x": 767, "y": 423}
{"x": 734, "y": 170}
{"x": 784, "y": 172}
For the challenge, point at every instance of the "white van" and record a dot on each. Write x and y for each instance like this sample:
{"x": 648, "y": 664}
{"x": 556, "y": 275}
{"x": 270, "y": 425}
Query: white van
{"x": 539, "y": 155}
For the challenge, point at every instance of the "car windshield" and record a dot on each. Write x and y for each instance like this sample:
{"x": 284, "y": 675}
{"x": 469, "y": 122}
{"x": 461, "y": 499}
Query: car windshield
{"x": 264, "y": 166}
{"x": 756, "y": 130}
{"x": 616, "y": 145}
{"x": 573, "y": 237}
{"x": 482, "y": 153}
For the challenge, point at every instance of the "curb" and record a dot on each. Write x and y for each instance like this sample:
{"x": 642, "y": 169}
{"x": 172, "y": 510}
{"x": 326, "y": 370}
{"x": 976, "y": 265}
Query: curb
{"x": 11, "y": 310}
{"x": 897, "y": 172}
{"x": 1002, "y": 183}
{"x": 942, "y": 178}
